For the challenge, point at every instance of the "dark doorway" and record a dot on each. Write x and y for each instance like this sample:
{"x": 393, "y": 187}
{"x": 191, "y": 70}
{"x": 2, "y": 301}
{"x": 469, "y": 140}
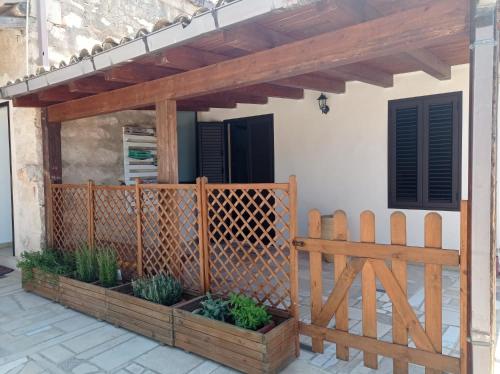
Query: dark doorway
{"x": 237, "y": 150}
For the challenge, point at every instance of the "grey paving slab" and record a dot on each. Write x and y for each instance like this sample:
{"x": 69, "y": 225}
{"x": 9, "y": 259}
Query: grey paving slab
{"x": 39, "y": 336}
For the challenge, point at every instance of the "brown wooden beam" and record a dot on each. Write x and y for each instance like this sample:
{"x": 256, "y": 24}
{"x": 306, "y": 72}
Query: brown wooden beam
{"x": 273, "y": 90}
{"x": 431, "y": 64}
{"x": 30, "y": 101}
{"x": 416, "y": 28}
{"x": 209, "y": 103}
{"x": 314, "y": 82}
{"x": 187, "y": 58}
{"x": 166, "y": 135}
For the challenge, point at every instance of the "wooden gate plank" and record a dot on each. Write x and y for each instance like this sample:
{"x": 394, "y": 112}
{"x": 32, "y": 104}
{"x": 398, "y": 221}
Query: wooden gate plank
{"x": 342, "y": 286}
{"x": 433, "y": 286}
{"x": 399, "y": 269}
{"x": 316, "y": 273}
{"x": 340, "y": 262}
{"x": 369, "y": 288}
{"x": 399, "y": 300}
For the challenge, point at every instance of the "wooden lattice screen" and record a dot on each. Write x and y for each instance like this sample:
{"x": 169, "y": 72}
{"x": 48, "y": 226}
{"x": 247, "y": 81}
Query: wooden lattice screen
{"x": 249, "y": 241}
{"x": 69, "y": 214}
{"x": 220, "y": 238}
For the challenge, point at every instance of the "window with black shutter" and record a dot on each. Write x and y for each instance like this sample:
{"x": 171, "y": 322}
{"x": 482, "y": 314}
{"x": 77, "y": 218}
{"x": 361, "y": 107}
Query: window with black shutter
{"x": 425, "y": 152}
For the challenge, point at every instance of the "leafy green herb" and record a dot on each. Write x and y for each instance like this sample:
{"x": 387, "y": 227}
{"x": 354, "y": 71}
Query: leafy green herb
{"x": 107, "y": 263}
{"x": 246, "y": 313}
{"x": 159, "y": 289}
{"x": 47, "y": 260}
{"x": 86, "y": 264}
{"x": 217, "y": 309}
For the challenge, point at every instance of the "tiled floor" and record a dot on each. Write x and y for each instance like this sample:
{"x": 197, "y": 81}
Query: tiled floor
{"x": 39, "y": 336}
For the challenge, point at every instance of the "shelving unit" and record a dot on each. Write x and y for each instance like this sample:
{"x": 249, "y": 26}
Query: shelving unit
{"x": 138, "y": 144}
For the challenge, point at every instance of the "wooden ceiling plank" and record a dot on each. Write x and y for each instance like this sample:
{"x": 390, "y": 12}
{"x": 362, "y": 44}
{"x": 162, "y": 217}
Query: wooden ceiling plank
{"x": 30, "y": 101}
{"x": 187, "y": 58}
{"x": 416, "y": 28}
{"x": 59, "y": 94}
{"x": 431, "y": 64}
{"x": 135, "y": 73}
{"x": 93, "y": 85}
{"x": 273, "y": 90}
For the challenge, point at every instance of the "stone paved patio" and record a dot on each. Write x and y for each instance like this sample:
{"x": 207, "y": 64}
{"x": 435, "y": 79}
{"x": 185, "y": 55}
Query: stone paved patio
{"x": 40, "y": 336}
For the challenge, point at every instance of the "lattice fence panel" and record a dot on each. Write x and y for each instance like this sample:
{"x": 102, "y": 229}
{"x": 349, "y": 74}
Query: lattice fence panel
{"x": 115, "y": 224}
{"x": 170, "y": 235}
{"x": 69, "y": 216}
{"x": 249, "y": 243}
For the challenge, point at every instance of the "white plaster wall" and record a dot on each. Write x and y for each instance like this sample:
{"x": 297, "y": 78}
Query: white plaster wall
{"x": 340, "y": 159}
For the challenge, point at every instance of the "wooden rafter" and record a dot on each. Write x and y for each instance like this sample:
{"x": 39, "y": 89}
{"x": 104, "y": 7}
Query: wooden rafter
{"x": 92, "y": 85}
{"x": 314, "y": 82}
{"x": 363, "y": 73}
{"x": 431, "y": 64}
{"x": 59, "y": 94}
{"x": 424, "y": 26}
{"x": 135, "y": 73}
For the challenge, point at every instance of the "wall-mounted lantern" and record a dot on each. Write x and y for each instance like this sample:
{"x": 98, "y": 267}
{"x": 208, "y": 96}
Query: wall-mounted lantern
{"x": 322, "y": 104}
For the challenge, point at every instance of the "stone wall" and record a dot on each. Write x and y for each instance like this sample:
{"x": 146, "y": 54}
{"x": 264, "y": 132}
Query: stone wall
{"x": 72, "y": 25}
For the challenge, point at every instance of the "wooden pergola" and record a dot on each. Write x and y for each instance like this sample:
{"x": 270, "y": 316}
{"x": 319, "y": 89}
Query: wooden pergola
{"x": 318, "y": 46}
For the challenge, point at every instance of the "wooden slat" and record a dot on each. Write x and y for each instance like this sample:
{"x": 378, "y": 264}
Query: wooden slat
{"x": 399, "y": 269}
{"x": 138, "y": 219}
{"x": 339, "y": 232}
{"x": 424, "y": 26}
{"x": 166, "y": 132}
{"x": 398, "y": 298}
{"x": 399, "y": 352}
{"x": 464, "y": 287}
{"x": 316, "y": 274}
{"x": 369, "y": 288}
{"x": 433, "y": 286}
{"x": 423, "y": 255}
{"x": 431, "y": 64}
{"x": 294, "y": 259}
{"x": 341, "y": 288}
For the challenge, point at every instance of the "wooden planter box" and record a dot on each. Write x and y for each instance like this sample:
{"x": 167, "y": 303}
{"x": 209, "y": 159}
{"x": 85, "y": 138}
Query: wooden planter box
{"x": 138, "y": 315}
{"x": 244, "y": 350}
{"x": 88, "y": 298}
{"x": 43, "y": 284}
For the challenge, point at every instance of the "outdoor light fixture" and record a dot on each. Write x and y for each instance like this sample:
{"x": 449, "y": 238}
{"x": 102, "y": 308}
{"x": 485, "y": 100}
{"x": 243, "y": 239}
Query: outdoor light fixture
{"x": 322, "y": 104}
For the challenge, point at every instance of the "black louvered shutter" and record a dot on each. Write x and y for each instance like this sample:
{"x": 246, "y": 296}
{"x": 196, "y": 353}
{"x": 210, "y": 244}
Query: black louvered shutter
{"x": 441, "y": 179}
{"x": 212, "y": 151}
{"x": 424, "y": 152}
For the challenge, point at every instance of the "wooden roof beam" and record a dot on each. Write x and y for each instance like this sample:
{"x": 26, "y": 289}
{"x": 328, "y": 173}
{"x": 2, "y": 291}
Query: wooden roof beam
{"x": 273, "y": 90}
{"x": 30, "y": 101}
{"x": 423, "y": 26}
{"x": 314, "y": 82}
{"x": 431, "y": 64}
{"x": 363, "y": 73}
{"x": 188, "y": 58}
{"x": 59, "y": 94}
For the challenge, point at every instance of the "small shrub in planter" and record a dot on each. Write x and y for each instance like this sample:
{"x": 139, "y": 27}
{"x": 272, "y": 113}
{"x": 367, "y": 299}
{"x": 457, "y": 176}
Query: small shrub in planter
{"x": 145, "y": 306}
{"x": 86, "y": 264}
{"x": 266, "y": 350}
{"x": 107, "y": 263}
{"x": 159, "y": 289}
{"x": 41, "y": 270}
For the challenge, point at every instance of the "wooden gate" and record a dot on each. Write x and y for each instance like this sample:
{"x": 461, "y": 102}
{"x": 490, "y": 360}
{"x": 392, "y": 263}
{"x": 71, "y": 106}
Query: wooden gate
{"x": 386, "y": 263}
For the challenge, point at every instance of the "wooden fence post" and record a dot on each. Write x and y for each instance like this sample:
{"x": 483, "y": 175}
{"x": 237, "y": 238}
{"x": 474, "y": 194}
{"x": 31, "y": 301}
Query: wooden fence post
{"x": 138, "y": 207}
{"x": 203, "y": 197}
{"x": 369, "y": 289}
{"x": 294, "y": 260}
{"x": 400, "y": 271}
{"x": 433, "y": 286}
{"x": 90, "y": 212}
{"x": 340, "y": 232}
{"x": 464, "y": 286}
{"x": 200, "y": 187}
{"x": 316, "y": 274}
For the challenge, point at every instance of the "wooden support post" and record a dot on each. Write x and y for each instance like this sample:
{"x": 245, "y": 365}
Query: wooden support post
{"x": 482, "y": 184}
{"x": 433, "y": 286}
{"x": 316, "y": 274}
{"x": 138, "y": 208}
{"x": 464, "y": 286}
{"x": 340, "y": 263}
{"x": 204, "y": 234}
{"x": 399, "y": 269}
{"x": 369, "y": 289}
{"x": 294, "y": 259}
{"x": 90, "y": 213}
{"x": 52, "y": 168}
{"x": 166, "y": 134}
{"x": 200, "y": 204}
